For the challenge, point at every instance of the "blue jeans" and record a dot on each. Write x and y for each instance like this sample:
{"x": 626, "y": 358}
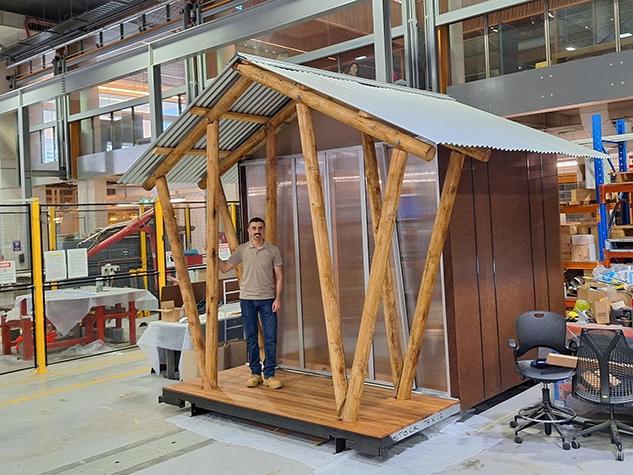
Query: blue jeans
{"x": 250, "y": 309}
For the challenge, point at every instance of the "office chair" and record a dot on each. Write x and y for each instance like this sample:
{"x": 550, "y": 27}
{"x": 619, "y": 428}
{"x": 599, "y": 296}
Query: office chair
{"x": 536, "y": 330}
{"x": 604, "y": 375}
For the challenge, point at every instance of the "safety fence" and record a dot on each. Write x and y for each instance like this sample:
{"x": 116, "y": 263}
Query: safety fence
{"x": 84, "y": 279}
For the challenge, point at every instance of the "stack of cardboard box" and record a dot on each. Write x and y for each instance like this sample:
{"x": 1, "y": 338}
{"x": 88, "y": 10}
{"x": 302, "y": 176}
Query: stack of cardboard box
{"x": 603, "y": 298}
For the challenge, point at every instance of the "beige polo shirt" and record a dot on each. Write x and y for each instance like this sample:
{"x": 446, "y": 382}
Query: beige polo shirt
{"x": 258, "y": 276}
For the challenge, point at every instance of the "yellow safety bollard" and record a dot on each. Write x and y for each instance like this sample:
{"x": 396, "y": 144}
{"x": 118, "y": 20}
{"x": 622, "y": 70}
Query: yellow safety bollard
{"x": 38, "y": 288}
{"x": 160, "y": 247}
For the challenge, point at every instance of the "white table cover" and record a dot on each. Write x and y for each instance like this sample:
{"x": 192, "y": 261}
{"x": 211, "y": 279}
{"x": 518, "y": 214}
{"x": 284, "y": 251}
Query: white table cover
{"x": 66, "y": 307}
{"x": 175, "y": 335}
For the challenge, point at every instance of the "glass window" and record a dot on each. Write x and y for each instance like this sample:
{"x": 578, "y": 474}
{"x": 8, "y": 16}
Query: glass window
{"x": 49, "y": 145}
{"x": 142, "y": 124}
{"x": 172, "y": 75}
{"x": 171, "y": 110}
{"x": 452, "y": 5}
{"x": 517, "y": 39}
{"x": 102, "y": 131}
{"x": 86, "y": 145}
{"x": 468, "y": 61}
{"x": 42, "y": 112}
{"x": 343, "y": 25}
{"x": 35, "y": 145}
{"x": 122, "y": 134}
{"x": 359, "y": 62}
{"x": 626, "y": 24}
{"x": 579, "y": 29}
{"x": 125, "y": 89}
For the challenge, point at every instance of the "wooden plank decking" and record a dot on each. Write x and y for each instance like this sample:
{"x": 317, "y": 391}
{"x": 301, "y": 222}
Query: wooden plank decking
{"x": 310, "y": 399}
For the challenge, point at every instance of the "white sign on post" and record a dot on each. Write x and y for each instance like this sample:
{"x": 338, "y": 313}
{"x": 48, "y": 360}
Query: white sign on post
{"x": 7, "y": 272}
{"x": 55, "y": 265}
{"x": 169, "y": 260}
{"x": 77, "y": 261}
{"x": 224, "y": 251}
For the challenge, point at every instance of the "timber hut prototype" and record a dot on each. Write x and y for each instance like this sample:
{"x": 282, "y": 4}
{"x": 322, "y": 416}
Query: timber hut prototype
{"x": 500, "y": 259}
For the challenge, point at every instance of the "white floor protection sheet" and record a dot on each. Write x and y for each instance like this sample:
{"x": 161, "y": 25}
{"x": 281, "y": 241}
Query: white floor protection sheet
{"x": 429, "y": 452}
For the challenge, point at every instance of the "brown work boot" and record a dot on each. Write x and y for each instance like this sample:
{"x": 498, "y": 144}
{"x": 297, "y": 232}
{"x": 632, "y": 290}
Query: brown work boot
{"x": 273, "y": 383}
{"x": 254, "y": 380}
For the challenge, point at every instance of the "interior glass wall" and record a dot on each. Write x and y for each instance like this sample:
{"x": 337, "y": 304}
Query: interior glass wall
{"x": 626, "y": 23}
{"x": 124, "y": 89}
{"x": 351, "y": 246}
{"x": 446, "y": 6}
{"x": 579, "y": 29}
{"x": 467, "y": 50}
{"x": 517, "y": 39}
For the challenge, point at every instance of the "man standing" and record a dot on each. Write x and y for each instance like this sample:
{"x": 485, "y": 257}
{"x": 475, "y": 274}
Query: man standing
{"x": 260, "y": 293}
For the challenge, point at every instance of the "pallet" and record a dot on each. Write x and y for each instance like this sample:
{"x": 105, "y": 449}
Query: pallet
{"x": 617, "y": 232}
{"x": 306, "y": 405}
{"x": 622, "y": 177}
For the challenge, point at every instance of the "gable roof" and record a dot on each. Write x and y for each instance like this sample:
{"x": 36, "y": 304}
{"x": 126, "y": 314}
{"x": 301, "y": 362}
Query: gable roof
{"x": 433, "y": 118}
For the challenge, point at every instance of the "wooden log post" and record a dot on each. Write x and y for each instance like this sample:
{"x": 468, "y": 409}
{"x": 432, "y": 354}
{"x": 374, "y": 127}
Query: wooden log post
{"x": 392, "y": 324}
{"x": 213, "y": 158}
{"x": 382, "y": 248}
{"x": 271, "y": 185}
{"x": 331, "y": 308}
{"x": 186, "y": 289}
{"x": 429, "y": 275}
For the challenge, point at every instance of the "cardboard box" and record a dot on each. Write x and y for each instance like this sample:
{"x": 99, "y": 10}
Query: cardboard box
{"x": 582, "y": 195}
{"x": 583, "y": 252}
{"x": 590, "y": 294}
{"x": 601, "y": 310}
{"x": 230, "y": 355}
{"x": 580, "y": 239}
{"x": 169, "y": 312}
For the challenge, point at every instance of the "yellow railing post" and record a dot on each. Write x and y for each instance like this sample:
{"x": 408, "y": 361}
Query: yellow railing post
{"x": 143, "y": 245}
{"x": 160, "y": 246}
{"x": 233, "y": 208}
{"x": 187, "y": 227}
{"x": 38, "y": 289}
{"x": 52, "y": 234}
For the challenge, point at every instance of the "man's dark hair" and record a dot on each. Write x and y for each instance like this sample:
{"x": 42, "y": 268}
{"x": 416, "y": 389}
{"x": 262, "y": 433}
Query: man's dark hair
{"x": 256, "y": 219}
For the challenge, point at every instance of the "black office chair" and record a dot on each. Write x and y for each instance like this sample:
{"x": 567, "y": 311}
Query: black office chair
{"x": 604, "y": 375}
{"x": 536, "y": 330}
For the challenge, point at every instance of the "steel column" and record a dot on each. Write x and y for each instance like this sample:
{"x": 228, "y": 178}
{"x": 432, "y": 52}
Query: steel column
{"x": 24, "y": 153}
{"x": 596, "y": 127}
{"x": 620, "y": 128}
{"x": 382, "y": 40}
{"x": 155, "y": 99}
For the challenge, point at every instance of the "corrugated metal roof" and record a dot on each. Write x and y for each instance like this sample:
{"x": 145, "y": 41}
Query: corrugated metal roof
{"x": 433, "y": 117}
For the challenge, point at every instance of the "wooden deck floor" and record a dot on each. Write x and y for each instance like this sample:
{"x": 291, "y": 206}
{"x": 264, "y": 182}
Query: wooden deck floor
{"x": 310, "y": 399}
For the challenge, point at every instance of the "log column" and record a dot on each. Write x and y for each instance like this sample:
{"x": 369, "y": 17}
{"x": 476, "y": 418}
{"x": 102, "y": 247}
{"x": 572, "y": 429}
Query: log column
{"x": 382, "y": 248}
{"x": 271, "y": 185}
{"x": 429, "y": 275}
{"x": 186, "y": 289}
{"x": 392, "y": 324}
{"x": 213, "y": 183}
{"x": 331, "y": 307}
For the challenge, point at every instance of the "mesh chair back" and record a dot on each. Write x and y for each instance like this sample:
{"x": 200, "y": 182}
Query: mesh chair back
{"x": 538, "y": 329}
{"x": 604, "y": 372}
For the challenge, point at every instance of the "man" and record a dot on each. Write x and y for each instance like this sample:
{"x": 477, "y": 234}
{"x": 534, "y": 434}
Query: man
{"x": 260, "y": 293}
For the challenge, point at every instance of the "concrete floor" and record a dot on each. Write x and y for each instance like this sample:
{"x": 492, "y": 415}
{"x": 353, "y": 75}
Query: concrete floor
{"x": 100, "y": 415}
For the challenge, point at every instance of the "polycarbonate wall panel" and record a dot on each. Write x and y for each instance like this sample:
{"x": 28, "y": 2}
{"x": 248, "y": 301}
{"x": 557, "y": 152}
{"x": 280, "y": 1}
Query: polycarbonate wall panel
{"x": 287, "y": 333}
{"x": 314, "y": 335}
{"x": 347, "y": 242}
{"x": 416, "y": 214}
{"x": 341, "y": 173}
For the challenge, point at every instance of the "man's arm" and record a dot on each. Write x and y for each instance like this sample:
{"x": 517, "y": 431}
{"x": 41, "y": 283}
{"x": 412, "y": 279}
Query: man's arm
{"x": 279, "y": 287}
{"x": 225, "y": 266}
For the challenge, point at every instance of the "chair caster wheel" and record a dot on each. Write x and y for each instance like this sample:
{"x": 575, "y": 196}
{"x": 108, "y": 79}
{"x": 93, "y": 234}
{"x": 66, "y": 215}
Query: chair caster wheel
{"x": 513, "y": 424}
{"x": 566, "y": 446}
{"x": 575, "y": 444}
{"x": 619, "y": 456}
{"x": 518, "y": 439}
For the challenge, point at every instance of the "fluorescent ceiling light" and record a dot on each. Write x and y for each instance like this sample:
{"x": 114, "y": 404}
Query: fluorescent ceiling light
{"x": 358, "y": 58}
{"x": 626, "y": 35}
{"x": 570, "y": 48}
